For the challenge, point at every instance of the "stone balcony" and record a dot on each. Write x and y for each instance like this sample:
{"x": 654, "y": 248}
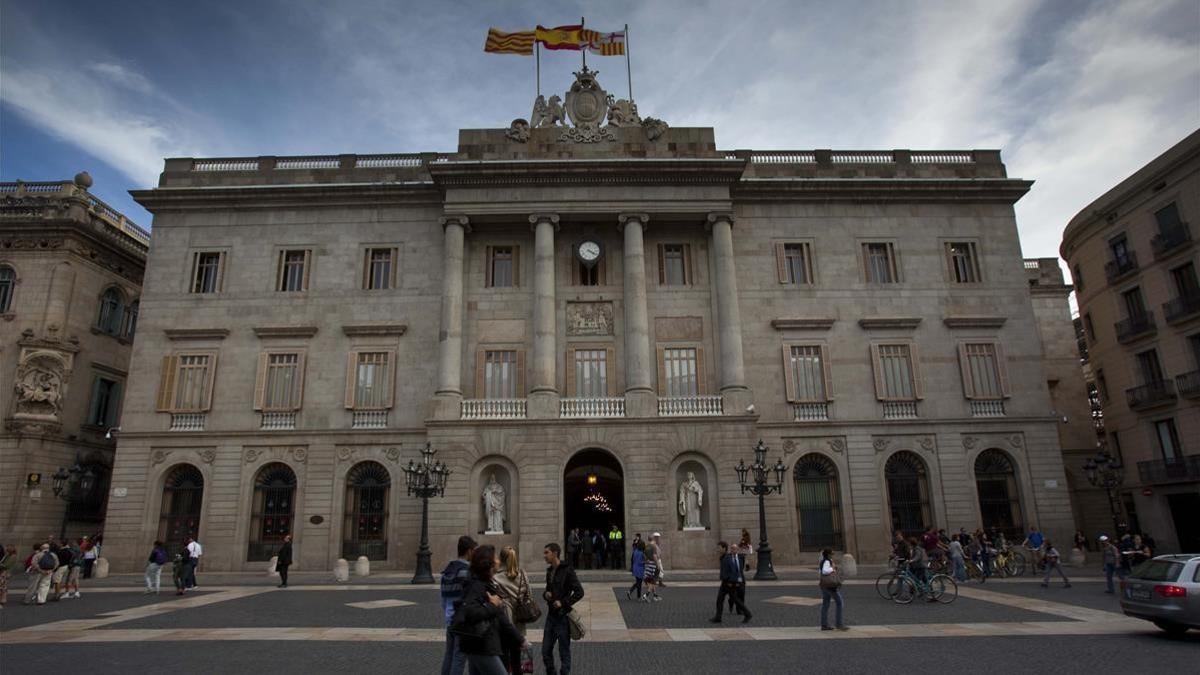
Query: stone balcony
{"x": 494, "y": 409}
{"x": 278, "y": 421}
{"x": 1181, "y": 309}
{"x": 369, "y": 419}
{"x": 1171, "y": 241}
{"x": 1150, "y": 395}
{"x": 1116, "y": 270}
{"x": 987, "y": 408}
{"x": 689, "y": 406}
{"x": 810, "y": 412}
{"x": 591, "y": 408}
{"x": 187, "y": 421}
{"x": 1135, "y": 327}
{"x": 900, "y": 410}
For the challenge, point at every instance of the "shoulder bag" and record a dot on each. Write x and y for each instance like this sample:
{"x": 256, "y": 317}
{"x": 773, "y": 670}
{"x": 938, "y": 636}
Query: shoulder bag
{"x": 831, "y": 581}
{"x": 525, "y": 610}
{"x": 575, "y": 625}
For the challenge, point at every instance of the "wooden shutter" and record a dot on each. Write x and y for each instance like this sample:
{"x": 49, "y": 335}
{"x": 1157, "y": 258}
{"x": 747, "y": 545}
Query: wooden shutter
{"x": 569, "y": 371}
{"x": 166, "y": 384}
{"x": 298, "y": 382}
{"x": 964, "y": 364}
{"x": 351, "y": 377}
{"x": 211, "y": 379}
{"x": 520, "y": 374}
{"x": 260, "y": 381}
{"x": 789, "y": 381}
{"x": 687, "y": 264}
{"x": 391, "y": 375}
{"x": 827, "y": 367}
{"x": 662, "y": 370}
{"x": 610, "y": 371}
{"x": 487, "y": 267}
{"x": 480, "y": 366}
{"x": 701, "y": 373}
{"x": 662, "y": 265}
{"x": 94, "y": 408}
{"x": 918, "y": 385}
{"x": 366, "y": 268}
{"x": 1002, "y": 370}
{"x": 781, "y": 267}
{"x": 516, "y": 266}
{"x": 574, "y": 265}
{"x": 280, "y": 270}
{"x": 195, "y": 268}
{"x": 877, "y": 368}
{"x": 307, "y": 268}
{"x": 220, "y": 274}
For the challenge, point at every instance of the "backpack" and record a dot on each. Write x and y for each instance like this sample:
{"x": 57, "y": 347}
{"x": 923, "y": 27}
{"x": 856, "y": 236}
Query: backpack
{"x": 160, "y": 556}
{"x": 46, "y": 562}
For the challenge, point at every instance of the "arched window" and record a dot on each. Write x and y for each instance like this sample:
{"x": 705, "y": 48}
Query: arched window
{"x": 8, "y": 283}
{"x": 131, "y": 316}
{"x": 908, "y": 493}
{"x": 271, "y": 513}
{"x": 364, "y": 527}
{"x": 179, "y": 516}
{"x": 112, "y": 307}
{"x": 818, "y": 503}
{"x": 999, "y": 503}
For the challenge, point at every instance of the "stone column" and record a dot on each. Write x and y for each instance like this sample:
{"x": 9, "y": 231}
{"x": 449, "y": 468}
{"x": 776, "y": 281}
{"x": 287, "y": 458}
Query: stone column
{"x": 640, "y": 399}
{"x": 447, "y": 400}
{"x": 543, "y": 395}
{"x": 734, "y": 394}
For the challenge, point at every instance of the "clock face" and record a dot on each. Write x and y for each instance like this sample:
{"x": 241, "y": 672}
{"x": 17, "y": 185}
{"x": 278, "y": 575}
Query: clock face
{"x": 589, "y": 251}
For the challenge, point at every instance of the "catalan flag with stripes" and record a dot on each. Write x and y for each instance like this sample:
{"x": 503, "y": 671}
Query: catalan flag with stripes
{"x": 499, "y": 42}
{"x": 604, "y": 44}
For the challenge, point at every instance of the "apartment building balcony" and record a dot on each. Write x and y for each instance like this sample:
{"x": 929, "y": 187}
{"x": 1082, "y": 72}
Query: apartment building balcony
{"x": 1188, "y": 384}
{"x": 1116, "y": 270}
{"x": 278, "y": 421}
{"x": 1181, "y": 470}
{"x": 187, "y": 421}
{"x": 1181, "y": 309}
{"x": 689, "y": 406}
{"x": 899, "y": 410}
{"x": 810, "y": 412}
{"x": 591, "y": 407}
{"x": 494, "y": 409}
{"x": 987, "y": 408}
{"x": 1150, "y": 395}
{"x": 1169, "y": 242}
{"x": 369, "y": 419}
{"x": 1135, "y": 327}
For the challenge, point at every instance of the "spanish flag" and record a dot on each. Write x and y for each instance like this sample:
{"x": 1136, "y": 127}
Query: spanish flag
{"x": 561, "y": 37}
{"x": 520, "y": 42}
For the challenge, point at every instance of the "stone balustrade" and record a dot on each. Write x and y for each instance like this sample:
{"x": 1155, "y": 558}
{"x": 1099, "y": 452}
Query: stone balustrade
{"x": 493, "y": 409}
{"x": 810, "y": 412}
{"x": 689, "y": 406}
{"x": 187, "y": 421}
{"x": 279, "y": 421}
{"x": 899, "y": 410}
{"x": 369, "y": 419}
{"x": 987, "y": 408}
{"x": 592, "y": 408}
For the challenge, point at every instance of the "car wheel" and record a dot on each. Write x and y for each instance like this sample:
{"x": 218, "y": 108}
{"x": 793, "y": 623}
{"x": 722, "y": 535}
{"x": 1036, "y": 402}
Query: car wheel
{"x": 1172, "y": 629}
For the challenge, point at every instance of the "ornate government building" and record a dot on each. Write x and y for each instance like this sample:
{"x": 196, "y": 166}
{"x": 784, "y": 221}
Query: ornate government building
{"x": 583, "y": 311}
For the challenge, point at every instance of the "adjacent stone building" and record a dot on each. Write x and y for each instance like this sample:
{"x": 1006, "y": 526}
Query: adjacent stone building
{"x": 70, "y": 280}
{"x": 588, "y": 313}
{"x": 1134, "y": 265}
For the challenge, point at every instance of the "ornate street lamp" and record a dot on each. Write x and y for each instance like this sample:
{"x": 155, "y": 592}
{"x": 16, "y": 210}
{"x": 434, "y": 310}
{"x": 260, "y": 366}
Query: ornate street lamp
{"x": 425, "y": 480}
{"x": 759, "y": 474}
{"x": 1106, "y": 471}
{"x": 72, "y": 485}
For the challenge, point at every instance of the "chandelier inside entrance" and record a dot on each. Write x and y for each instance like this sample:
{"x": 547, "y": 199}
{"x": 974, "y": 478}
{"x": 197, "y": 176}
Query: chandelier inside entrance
{"x": 597, "y": 502}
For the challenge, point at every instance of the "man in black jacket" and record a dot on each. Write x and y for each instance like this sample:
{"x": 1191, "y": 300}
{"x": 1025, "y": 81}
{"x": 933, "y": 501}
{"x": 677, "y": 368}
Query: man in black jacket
{"x": 731, "y": 581}
{"x": 283, "y": 560}
{"x": 562, "y": 591}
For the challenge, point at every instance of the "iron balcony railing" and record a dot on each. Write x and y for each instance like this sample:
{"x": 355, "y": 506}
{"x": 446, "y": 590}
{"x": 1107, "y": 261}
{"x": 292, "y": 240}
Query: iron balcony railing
{"x": 1188, "y": 384}
{"x": 1116, "y": 269}
{"x": 1150, "y": 395}
{"x": 1171, "y": 240}
{"x": 1181, "y": 308}
{"x": 1135, "y": 326}
{"x": 1180, "y": 470}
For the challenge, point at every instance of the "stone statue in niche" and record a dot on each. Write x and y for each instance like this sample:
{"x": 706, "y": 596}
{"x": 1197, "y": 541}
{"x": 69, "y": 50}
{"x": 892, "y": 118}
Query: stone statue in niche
{"x": 691, "y": 498}
{"x": 493, "y": 505}
{"x": 40, "y": 386}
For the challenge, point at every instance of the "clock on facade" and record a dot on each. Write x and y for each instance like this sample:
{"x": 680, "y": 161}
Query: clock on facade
{"x": 588, "y": 253}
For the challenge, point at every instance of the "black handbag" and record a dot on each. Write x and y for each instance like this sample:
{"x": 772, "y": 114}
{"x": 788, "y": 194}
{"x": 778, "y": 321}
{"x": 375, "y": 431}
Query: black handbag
{"x": 525, "y": 610}
{"x": 469, "y": 634}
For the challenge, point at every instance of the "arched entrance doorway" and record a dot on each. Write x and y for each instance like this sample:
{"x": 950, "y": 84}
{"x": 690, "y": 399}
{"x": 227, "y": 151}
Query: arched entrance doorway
{"x": 999, "y": 501}
{"x": 179, "y": 515}
{"x": 593, "y": 492}
{"x": 271, "y": 510}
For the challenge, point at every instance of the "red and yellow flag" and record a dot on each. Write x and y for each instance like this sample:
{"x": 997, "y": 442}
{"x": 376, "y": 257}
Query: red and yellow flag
{"x": 604, "y": 44}
{"x": 561, "y": 37}
{"x": 520, "y": 42}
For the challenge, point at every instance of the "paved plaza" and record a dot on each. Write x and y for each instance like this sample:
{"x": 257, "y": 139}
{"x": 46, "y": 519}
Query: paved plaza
{"x": 246, "y": 623}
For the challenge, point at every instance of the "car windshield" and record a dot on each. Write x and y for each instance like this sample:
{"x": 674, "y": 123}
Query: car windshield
{"x": 1158, "y": 570}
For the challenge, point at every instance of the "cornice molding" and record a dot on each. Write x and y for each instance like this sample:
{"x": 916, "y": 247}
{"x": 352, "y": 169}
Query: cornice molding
{"x": 266, "y": 332}
{"x": 623, "y": 171}
{"x": 1003, "y": 190}
{"x": 974, "y": 321}
{"x": 807, "y": 323}
{"x": 273, "y": 196}
{"x": 196, "y": 333}
{"x": 886, "y": 322}
{"x": 375, "y": 330}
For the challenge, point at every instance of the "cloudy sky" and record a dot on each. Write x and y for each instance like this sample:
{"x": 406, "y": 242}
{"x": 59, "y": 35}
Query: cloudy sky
{"x": 1076, "y": 94}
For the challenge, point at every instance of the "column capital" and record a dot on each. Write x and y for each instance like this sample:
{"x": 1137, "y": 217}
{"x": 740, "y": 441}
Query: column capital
{"x": 536, "y": 218}
{"x": 718, "y": 216}
{"x": 641, "y": 218}
{"x": 457, "y": 219}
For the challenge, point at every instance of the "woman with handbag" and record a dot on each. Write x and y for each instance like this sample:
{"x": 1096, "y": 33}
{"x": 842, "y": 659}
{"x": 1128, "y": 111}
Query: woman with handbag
{"x": 831, "y": 589}
{"x": 480, "y": 623}
{"x": 519, "y": 606}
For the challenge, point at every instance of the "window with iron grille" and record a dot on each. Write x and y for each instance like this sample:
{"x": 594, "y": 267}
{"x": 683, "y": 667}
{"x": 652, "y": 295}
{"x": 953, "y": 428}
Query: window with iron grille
{"x": 365, "y": 524}
{"x": 680, "y": 369}
{"x": 894, "y": 368}
{"x": 818, "y": 503}
{"x": 272, "y": 511}
{"x": 908, "y": 493}
{"x": 806, "y": 370}
{"x": 879, "y": 263}
{"x": 591, "y": 373}
{"x": 379, "y": 269}
{"x": 996, "y": 485}
{"x": 963, "y": 262}
{"x": 179, "y": 514}
{"x": 293, "y": 270}
{"x": 207, "y": 271}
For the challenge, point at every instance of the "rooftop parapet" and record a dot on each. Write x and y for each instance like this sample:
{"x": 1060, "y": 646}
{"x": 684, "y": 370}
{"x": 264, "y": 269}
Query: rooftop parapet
{"x": 29, "y": 200}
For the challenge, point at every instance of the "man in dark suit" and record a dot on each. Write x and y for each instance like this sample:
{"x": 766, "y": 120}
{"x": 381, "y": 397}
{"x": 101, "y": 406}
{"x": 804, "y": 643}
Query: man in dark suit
{"x": 732, "y": 581}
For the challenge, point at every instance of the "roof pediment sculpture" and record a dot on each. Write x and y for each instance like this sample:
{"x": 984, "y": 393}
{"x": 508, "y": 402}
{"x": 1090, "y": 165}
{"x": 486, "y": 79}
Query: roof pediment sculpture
{"x": 593, "y": 114}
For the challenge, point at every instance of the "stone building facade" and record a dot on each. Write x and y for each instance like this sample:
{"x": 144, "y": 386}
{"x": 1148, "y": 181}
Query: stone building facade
{"x": 588, "y": 314}
{"x": 1134, "y": 265}
{"x": 70, "y": 280}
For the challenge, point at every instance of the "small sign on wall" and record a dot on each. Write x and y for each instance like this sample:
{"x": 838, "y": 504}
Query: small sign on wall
{"x": 1052, "y": 483}
{"x": 120, "y": 491}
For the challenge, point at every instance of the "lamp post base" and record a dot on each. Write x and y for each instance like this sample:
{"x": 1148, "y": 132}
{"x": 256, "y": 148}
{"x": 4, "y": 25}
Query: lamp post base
{"x": 765, "y": 571}
{"x": 424, "y": 573}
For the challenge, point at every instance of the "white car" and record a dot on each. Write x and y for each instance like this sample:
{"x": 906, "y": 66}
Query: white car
{"x": 1165, "y": 591}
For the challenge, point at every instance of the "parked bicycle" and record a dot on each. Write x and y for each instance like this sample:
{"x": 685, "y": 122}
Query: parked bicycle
{"x": 940, "y": 587}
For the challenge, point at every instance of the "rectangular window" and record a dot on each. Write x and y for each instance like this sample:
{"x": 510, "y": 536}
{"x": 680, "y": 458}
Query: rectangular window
{"x": 1091, "y": 329}
{"x": 808, "y": 378}
{"x": 106, "y": 398}
{"x": 187, "y": 383}
{"x": 503, "y": 263}
{"x": 1168, "y": 441}
{"x": 1168, "y": 218}
{"x": 1132, "y": 299}
{"x": 371, "y": 375}
{"x": 1102, "y": 384}
{"x": 1148, "y": 366}
{"x": 1078, "y": 274}
{"x": 208, "y": 271}
{"x": 1184, "y": 278}
{"x": 879, "y": 263}
{"x": 500, "y": 374}
{"x": 680, "y": 371}
{"x": 674, "y": 264}
{"x": 379, "y": 268}
{"x": 293, "y": 270}
{"x": 794, "y": 263}
{"x": 1120, "y": 252}
{"x": 591, "y": 373}
{"x": 963, "y": 262}
{"x": 982, "y": 371}
{"x": 1194, "y": 345}
{"x": 280, "y": 381}
{"x": 590, "y": 276}
{"x": 895, "y": 372}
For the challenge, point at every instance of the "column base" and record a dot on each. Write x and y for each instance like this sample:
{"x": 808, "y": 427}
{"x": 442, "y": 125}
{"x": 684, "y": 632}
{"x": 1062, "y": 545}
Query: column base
{"x": 735, "y": 400}
{"x": 446, "y": 405}
{"x": 542, "y": 405}
{"x": 641, "y": 403}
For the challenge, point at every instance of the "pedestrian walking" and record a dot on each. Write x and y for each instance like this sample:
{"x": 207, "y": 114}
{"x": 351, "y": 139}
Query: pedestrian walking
{"x": 574, "y": 544}
{"x": 562, "y": 591}
{"x": 588, "y": 545}
{"x": 484, "y": 628}
{"x": 41, "y": 568}
{"x": 732, "y": 578}
{"x": 958, "y": 558}
{"x": 519, "y": 606}
{"x": 59, "y": 579}
{"x": 1141, "y": 551}
{"x": 1110, "y": 557}
{"x": 74, "y": 570}
{"x": 650, "y": 576}
{"x": 1035, "y": 542}
{"x": 638, "y": 567}
{"x": 7, "y": 557}
{"x": 283, "y": 560}
{"x": 154, "y": 565}
{"x": 1051, "y": 560}
{"x": 191, "y": 561}
{"x": 599, "y": 548}
{"x": 453, "y": 587}
{"x": 179, "y": 574}
{"x": 831, "y": 590}
{"x": 91, "y": 551}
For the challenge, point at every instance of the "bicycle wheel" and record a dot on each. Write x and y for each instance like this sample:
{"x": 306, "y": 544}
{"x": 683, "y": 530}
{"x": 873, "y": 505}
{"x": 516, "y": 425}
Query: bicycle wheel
{"x": 885, "y": 585}
{"x": 905, "y": 592}
{"x": 944, "y": 589}
{"x": 1018, "y": 564}
{"x": 1008, "y": 568}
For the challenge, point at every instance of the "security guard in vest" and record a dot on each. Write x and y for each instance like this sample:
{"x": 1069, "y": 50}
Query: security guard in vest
{"x": 616, "y": 548}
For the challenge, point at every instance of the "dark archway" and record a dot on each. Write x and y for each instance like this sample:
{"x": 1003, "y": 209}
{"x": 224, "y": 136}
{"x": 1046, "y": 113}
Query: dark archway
{"x": 593, "y": 492}
{"x": 272, "y": 510}
{"x": 908, "y": 493}
{"x": 818, "y": 503}
{"x": 179, "y": 515}
{"x": 365, "y": 526}
{"x": 999, "y": 503}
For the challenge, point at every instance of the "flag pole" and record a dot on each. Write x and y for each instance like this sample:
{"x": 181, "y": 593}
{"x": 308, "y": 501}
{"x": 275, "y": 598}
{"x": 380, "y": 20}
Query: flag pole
{"x": 538, "y": 60}
{"x": 628, "y": 69}
{"x": 583, "y": 48}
